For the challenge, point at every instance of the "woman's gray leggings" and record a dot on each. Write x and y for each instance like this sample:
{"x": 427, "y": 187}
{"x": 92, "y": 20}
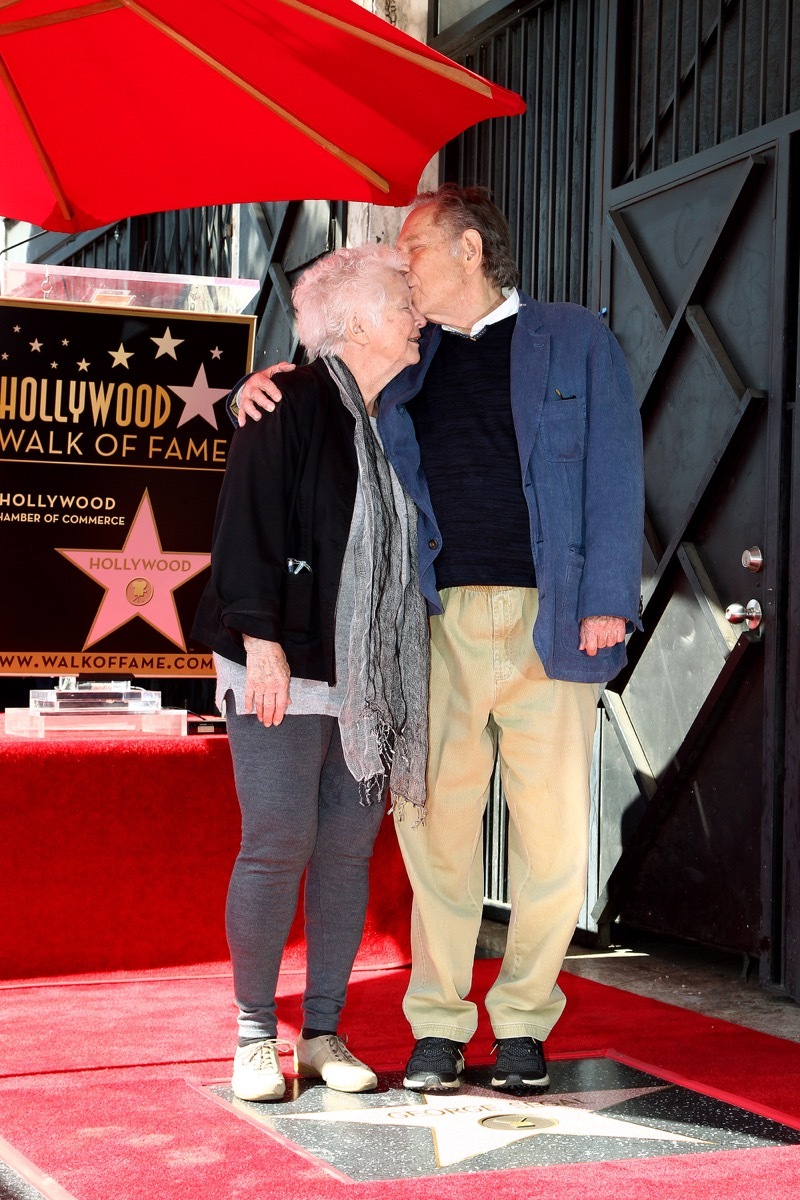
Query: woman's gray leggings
{"x": 300, "y": 811}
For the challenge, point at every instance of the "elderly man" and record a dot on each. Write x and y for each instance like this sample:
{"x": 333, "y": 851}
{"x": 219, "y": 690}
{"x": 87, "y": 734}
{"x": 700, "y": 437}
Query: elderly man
{"x": 518, "y": 436}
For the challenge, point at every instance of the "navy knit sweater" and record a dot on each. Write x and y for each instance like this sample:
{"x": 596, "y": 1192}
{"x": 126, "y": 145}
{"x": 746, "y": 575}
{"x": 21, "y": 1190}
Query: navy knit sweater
{"x": 468, "y": 447}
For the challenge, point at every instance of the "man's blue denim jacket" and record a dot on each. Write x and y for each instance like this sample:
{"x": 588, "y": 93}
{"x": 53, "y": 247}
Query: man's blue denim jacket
{"x": 580, "y": 450}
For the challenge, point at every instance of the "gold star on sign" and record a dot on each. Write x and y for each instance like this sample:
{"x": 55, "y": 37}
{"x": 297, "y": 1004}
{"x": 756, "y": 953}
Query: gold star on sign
{"x": 36, "y": 345}
{"x": 4, "y": 356}
{"x": 65, "y": 341}
{"x": 216, "y": 352}
{"x": 17, "y": 328}
{"x": 121, "y": 356}
{"x": 54, "y": 365}
{"x": 83, "y": 365}
{"x": 167, "y": 343}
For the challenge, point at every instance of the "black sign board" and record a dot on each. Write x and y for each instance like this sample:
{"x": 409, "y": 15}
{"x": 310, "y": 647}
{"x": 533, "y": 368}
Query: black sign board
{"x": 113, "y": 442}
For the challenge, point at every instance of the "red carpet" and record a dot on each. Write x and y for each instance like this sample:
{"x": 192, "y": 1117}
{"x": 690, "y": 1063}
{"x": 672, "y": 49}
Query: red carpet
{"x": 94, "y": 1093}
{"x": 117, "y": 859}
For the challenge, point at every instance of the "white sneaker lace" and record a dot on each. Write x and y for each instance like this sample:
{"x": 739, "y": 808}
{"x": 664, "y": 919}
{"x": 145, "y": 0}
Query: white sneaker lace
{"x": 339, "y": 1051}
{"x": 263, "y": 1056}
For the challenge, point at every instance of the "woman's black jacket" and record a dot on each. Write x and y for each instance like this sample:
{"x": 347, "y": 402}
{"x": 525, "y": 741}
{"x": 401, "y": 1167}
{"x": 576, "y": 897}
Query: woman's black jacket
{"x": 288, "y": 493}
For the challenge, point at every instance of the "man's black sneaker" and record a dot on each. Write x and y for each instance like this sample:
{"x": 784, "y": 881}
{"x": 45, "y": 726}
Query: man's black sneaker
{"x": 520, "y": 1064}
{"x": 434, "y": 1066}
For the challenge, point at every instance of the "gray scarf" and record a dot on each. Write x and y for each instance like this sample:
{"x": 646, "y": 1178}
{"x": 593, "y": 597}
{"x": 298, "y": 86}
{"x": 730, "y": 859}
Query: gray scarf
{"x": 384, "y": 716}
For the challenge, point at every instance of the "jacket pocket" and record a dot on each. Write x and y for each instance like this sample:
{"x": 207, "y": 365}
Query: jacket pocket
{"x": 298, "y": 603}
{"x": 563, "y": 428}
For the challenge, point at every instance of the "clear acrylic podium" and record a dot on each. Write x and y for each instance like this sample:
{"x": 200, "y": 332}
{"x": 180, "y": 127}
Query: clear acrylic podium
{"x": 111, "y": 707}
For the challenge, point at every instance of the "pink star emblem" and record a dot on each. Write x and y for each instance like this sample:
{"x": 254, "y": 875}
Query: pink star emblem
{"x": 199, "y": 399}
{"x": 139, "y": 579}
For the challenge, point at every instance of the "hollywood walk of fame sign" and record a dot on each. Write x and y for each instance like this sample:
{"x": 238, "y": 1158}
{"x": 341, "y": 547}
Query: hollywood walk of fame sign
{"x": 113, "y": 443}
{"x": 596, "y": 1110}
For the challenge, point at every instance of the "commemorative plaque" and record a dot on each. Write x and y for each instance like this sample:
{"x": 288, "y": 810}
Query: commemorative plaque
{"x": 113, "y": 443}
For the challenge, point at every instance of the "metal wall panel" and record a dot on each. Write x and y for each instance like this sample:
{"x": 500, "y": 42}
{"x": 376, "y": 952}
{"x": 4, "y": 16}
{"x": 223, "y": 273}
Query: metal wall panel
{"x": 697, "y": 73}
{"x": 192, "y": 241}
{"x": 541, "y": 167}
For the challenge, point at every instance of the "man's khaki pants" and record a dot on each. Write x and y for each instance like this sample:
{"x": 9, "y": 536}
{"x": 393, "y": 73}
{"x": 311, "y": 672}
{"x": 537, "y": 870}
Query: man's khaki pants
{"x": 489, "y": 691}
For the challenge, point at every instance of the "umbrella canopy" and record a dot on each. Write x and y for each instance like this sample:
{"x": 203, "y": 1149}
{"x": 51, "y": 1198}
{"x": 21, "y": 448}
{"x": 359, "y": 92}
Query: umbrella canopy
{"x": 118, "y": 107}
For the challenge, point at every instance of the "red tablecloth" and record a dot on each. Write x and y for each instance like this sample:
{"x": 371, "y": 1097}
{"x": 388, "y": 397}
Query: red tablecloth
{"x": 116, "y": 851}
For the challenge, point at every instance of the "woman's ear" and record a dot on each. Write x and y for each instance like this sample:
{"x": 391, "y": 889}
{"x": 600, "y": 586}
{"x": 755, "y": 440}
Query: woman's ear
{"x": 356, "y": 330}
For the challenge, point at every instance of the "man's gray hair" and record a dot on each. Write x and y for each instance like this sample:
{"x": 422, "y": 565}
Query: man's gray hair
{"x": 329, "y": 293}
{"x": 462, "y": 208}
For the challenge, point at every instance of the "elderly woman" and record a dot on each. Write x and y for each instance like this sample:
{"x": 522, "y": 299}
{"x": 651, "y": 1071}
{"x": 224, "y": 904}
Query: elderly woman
{"x": 321, "y": 649}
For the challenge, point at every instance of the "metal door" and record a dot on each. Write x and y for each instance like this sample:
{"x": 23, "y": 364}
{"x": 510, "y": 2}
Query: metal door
{"x": 689, "y": 772}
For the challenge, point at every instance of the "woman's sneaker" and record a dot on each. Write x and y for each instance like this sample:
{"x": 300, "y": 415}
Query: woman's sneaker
{"x": 328, "y": 1058}
{"x": 256, "y": 1072}
{"x": 434, "y": 1066}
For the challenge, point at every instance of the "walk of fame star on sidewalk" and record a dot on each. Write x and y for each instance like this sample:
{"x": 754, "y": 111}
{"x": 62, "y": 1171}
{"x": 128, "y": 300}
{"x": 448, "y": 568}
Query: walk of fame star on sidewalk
{"x": 598, "y": 1109}
{"x": 477, "y": 1124}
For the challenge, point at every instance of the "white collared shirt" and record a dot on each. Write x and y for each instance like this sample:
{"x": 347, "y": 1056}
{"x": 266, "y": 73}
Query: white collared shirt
{"x": 509, "y": 308}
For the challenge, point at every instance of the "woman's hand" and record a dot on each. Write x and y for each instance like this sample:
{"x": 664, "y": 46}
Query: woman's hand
{"x": 266, "y": 689}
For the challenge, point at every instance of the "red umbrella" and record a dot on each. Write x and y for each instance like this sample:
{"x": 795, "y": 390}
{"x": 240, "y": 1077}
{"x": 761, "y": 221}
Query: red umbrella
{"x": 118, "y": 107}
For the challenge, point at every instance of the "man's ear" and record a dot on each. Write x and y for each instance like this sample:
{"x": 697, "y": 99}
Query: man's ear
{"x": 472, "y": 244}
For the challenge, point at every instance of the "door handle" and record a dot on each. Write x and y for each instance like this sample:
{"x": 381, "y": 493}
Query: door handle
{"x": 738, "y": 614}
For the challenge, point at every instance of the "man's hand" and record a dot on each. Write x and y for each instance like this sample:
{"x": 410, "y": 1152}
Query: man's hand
{"x": 599, "y": 632}
{"x": 259, "y": 392}
{"x": 266, "y": 688}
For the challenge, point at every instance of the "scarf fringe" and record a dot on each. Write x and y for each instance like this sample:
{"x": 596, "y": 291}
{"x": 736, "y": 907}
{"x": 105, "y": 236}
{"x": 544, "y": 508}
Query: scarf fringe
{"x": 398, "y": 806}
